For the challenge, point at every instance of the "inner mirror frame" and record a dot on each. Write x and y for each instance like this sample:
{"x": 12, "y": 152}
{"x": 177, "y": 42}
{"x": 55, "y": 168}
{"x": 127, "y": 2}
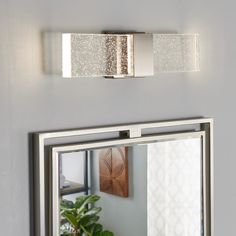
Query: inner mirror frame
{"x": 49, "y": 145}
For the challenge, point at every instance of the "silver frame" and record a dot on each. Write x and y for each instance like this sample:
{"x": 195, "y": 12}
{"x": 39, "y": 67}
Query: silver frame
{"x": 129, "y": 134}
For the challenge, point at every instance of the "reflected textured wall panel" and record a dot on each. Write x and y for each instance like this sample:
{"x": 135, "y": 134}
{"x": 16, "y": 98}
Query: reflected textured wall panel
{"x": 176, "y": 52}
{"x": 174, "y": 188}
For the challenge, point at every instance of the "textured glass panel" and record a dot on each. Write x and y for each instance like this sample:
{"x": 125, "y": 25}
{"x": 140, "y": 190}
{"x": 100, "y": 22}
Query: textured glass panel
{"x": 176, "y": 52}
{"x": 97, "y": 55}
{"x": 175, "y": 188}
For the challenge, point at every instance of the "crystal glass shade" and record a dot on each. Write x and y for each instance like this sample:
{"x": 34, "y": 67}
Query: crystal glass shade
{"x": 95, "y": 55}
{"x": 176, "y": 52}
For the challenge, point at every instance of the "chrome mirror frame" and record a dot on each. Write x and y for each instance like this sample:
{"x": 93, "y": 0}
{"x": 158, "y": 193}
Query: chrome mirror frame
{"x": 116, "y": 135}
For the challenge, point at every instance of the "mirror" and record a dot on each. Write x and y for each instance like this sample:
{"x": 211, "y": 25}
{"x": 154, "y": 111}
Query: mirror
{"x": 149, "y": 189}
{"x": 144, "y": 179}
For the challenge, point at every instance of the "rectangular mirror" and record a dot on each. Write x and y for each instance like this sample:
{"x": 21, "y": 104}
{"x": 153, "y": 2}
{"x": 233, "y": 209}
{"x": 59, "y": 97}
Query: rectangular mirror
{"x": 154, "y": 188}
{"x": 155, "y": 179}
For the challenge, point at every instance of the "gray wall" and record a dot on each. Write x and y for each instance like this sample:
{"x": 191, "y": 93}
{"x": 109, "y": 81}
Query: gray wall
{"x": 125, "y": 216}
{"x": 30, "y": 101}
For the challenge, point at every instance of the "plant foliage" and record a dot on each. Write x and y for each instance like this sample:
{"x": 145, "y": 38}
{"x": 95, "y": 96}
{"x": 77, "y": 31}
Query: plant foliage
{"x": 80, "y": 218}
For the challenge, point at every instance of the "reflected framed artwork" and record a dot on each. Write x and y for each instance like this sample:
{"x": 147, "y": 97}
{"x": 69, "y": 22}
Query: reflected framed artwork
{"x": 113, "y": 171}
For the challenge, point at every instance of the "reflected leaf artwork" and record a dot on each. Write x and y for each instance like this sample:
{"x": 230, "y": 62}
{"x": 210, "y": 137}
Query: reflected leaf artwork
{"x": 113, "y": 173}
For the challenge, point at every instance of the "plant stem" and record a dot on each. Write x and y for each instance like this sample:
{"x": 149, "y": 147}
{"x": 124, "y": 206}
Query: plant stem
{"x": 85, "y": 230}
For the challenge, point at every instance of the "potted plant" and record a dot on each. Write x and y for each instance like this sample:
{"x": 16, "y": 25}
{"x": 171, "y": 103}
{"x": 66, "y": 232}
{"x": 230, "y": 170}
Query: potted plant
{"x": 80, "y": 218}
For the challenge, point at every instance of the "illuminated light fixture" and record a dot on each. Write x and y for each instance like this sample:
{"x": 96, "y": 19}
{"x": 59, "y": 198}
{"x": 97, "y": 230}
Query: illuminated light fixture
{"x": 72, "y": 55}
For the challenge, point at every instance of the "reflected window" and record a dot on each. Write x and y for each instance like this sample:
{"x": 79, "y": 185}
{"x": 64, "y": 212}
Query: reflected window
{"x": 74, "y": 174}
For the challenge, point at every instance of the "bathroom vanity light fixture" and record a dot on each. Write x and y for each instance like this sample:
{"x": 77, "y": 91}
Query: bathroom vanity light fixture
{"x": 127, "y": 55}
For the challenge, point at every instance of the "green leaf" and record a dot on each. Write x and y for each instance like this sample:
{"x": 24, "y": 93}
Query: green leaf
{"x": 80, "y": 212}
{"x": 95, "y": 228}
{"x": 71, "y": 219}
{"x": 85, "y": 231}
{"x": 88, "y": 220}
{"x": 105, "y": 233}
{"x": 82, "y": 201}
{"x": 93, "y": 211}
{"x": 65, "y": 204}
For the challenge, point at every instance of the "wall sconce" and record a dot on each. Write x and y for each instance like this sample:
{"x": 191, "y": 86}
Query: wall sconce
{"x": 132, "y": 55}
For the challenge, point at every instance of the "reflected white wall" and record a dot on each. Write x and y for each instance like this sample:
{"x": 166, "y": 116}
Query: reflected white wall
{"x": 72, "y": 166}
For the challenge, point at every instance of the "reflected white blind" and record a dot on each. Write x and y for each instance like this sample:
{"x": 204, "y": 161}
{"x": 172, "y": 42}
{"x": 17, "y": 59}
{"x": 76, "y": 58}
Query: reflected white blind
{"x": 174, "y": 188}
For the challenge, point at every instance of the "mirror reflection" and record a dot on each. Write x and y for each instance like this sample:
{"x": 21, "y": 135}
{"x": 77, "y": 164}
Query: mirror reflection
{"x": 154, "y": 189}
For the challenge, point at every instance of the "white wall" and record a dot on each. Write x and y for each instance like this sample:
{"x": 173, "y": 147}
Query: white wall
{"x": 30, "y": 101}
